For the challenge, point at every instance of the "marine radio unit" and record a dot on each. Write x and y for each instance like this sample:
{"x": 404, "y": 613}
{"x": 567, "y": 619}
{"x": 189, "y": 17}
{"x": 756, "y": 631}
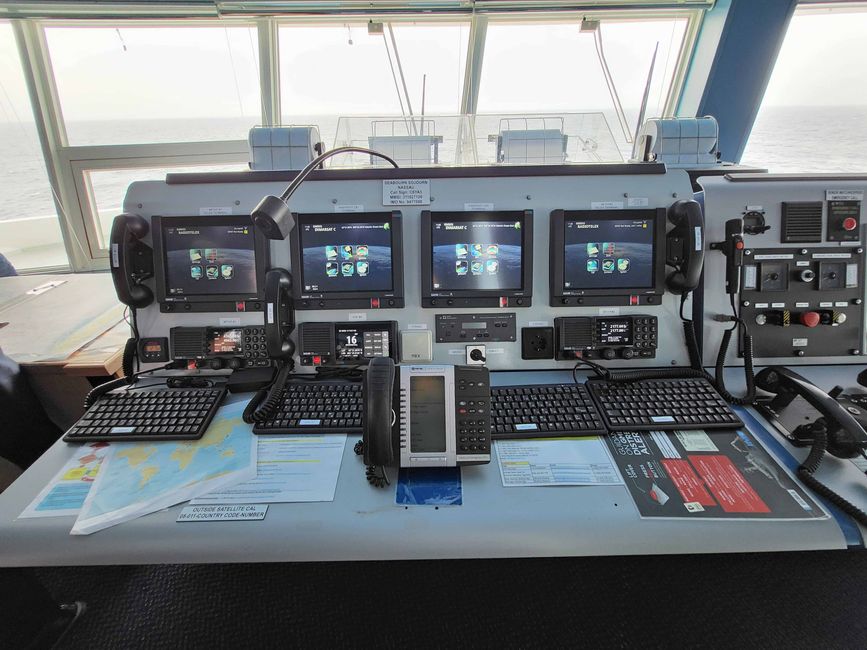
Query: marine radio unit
{"x": 595, "y": 337}
{"x": 216, "y": 348}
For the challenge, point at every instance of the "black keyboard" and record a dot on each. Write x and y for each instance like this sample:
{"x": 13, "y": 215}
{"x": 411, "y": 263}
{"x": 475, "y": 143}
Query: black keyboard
{"x": 316, "y": 407}
{"x": 662, "y": 404}
{"x": 159, "y": 414}
{"x": 543, "y": 411}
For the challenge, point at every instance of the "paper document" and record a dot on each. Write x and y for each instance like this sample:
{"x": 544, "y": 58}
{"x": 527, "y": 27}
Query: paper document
{"x": 66, "y": 492}
{"x": 137, "y": 478}
{"x": 290, "y": 469}
{"x": 556, "y": 461}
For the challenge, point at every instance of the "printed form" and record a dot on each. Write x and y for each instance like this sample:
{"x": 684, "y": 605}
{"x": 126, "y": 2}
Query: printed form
{"x": 289, "y": 469}
{"x": 556, "y": 461}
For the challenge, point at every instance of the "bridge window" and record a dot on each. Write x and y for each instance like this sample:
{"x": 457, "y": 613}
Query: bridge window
{"x": 813, "y": 117}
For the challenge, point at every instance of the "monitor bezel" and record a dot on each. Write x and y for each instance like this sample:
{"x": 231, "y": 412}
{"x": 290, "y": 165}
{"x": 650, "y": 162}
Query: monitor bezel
{"x": 466, "y": 298}
{"x": 557, "y": 243}
{"x": 220, "y": 300}
{"x": 339, "y": 299}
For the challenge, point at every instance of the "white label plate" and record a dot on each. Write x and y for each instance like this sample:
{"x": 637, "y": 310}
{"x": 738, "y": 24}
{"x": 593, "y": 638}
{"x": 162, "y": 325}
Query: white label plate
{"x": 349, "y": 207}
{"x": 844, "y": 195}
{"x": 412, "y": 191}
{"x": 223, "y": 513}
{"x": 606, "y": 205}
{"x": 478, "y": 207}
{"x": 210, "y": 212}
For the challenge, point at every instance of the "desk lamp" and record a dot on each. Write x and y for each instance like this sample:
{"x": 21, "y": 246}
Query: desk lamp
{"x": 273, "y": 216}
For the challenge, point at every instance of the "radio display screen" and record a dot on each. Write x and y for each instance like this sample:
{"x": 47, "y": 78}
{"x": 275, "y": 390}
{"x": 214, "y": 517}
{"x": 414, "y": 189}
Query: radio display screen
{"x": 614, "y": 331}
{"x": 427, "y": 414}
{"x": 227, "y": 341}
{"x": 361, "y": 343}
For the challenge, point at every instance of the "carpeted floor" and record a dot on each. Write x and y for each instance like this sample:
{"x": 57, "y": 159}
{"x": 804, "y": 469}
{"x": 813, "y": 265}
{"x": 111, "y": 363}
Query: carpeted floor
{"x": 793, "y": 600}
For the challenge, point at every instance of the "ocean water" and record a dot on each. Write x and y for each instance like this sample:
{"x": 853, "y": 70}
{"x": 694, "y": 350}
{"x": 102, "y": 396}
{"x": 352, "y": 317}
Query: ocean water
{"x": 784, "y": 139}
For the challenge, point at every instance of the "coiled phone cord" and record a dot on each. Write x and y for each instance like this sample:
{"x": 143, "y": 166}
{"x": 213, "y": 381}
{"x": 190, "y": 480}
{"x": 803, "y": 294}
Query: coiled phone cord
{"x": 265, "y": 402}
{"x": 811, "y": 465}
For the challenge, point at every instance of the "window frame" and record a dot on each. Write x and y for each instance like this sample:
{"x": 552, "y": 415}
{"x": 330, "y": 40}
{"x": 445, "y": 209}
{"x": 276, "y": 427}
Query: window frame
{"x": 68, "y": 165}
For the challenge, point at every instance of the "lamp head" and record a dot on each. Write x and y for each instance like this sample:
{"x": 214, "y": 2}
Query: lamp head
{"x": 273, "y": 217}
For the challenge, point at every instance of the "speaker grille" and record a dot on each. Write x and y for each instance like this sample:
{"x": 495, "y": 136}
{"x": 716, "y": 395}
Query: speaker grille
{"x": 802, "y": 222}
{"x": 576, "y": 333}
{"x": 315, "y": 338}
{"x": 188, "y": 343}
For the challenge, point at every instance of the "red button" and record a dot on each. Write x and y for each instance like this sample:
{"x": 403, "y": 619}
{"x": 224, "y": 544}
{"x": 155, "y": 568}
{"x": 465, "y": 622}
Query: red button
{"x": 374, "y": 303}
{"x": 317, "y": 361}
{"x": 739, "y": 245}
{"x": 850, "y": 223}
{"x": 633, "y": 300}
{"x": 810, "y": 318}
{"x": 504, "y": 302}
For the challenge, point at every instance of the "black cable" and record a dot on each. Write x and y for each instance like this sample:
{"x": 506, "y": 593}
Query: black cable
{"x": 316, "y": 162}
{"x": 811, "y": 465}
{"x": 376, "y": 476}
{"x": 98, "y": 391}
{"x": 266, "y": 402}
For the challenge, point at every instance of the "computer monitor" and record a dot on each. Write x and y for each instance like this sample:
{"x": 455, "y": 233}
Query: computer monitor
{"x": 213, "y": 263}
{"x": 477, "y": 259}
{"x": 610, "y": 257}
{"x": 347, "y": 260}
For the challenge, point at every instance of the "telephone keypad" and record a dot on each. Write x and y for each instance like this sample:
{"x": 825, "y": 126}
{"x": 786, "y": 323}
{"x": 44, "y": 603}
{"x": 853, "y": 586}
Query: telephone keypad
{"x": 472, "y": 416}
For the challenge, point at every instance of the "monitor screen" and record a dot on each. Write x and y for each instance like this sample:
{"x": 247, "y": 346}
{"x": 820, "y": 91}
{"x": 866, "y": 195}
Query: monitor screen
{"x": 209, "y": 256}
{"x": 608, "y": 253}
{"x": 345, "y": 256}
{"x": 483, "y": 254}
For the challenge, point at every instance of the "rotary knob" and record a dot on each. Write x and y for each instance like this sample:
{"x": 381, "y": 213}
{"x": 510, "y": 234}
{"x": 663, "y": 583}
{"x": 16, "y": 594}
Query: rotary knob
{"x": 235, "y": 363}
{"x": 608, "y": 353}
{"x": 807, "y": 275}
{"x": 215, "y": 364}
{"x": 628, "y": 353}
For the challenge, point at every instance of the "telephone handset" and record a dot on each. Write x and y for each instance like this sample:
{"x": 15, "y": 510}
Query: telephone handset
{"x": 279, "y": 314}
{"x": 132, "y": 261}
{"x": 836, "y": 431}
{"x": 279, "y": 324}
{"x": 424, "y": 416}
{"x": 685, "y": 246}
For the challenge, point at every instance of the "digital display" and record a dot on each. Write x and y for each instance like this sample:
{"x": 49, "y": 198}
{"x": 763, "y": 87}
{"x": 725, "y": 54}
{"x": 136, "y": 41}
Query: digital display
{"x": 608, "y": 254}
{"x": 478, "y": 255}
{"x": 427, "y": 414}
{"x": 227, "y": 341}
{"x": 358, "y": 343}
{"x": 209, "y": 259}
{"x": 346, "y": 256}
{"x": 475, "y": 325}
{"x": 614, "y": 331}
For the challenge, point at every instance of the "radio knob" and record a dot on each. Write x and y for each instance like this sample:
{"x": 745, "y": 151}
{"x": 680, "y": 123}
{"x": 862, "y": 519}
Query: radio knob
{"x": 807, "y": 275}
{"x": 235, "y": 363}
{"x": 761, "y": 319}
{"x": 215, "y": 364}
{"x": 628, "y": 353}
{"x": 810, "y": 318}
{"x": 839, "y": 318}
{"x": 608, "y": 353}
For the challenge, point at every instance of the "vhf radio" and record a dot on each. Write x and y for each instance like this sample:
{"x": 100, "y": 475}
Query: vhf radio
{"x": 597, "y": 337}
{"x": 217, "y": 348}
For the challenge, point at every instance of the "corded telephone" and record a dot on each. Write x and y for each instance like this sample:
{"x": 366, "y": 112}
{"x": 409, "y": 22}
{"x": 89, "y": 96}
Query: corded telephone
{"x": 279, "y": 315}
{"x": 685, "y": 246}
{"x": 424, "y": 416}
{"x": 132, "y": 260}
{"x": 279, "y": 324}
{"x": 836, "y": 430}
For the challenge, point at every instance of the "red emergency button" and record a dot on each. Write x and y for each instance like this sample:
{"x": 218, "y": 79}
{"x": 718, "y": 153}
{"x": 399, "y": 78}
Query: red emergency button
{"x": 739, "y": 245}
{"x": 317, "y": 361}
{"x": 810, "y": 318}
{"x": 850, "y": 223}
{"x": 374, "y": 303}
